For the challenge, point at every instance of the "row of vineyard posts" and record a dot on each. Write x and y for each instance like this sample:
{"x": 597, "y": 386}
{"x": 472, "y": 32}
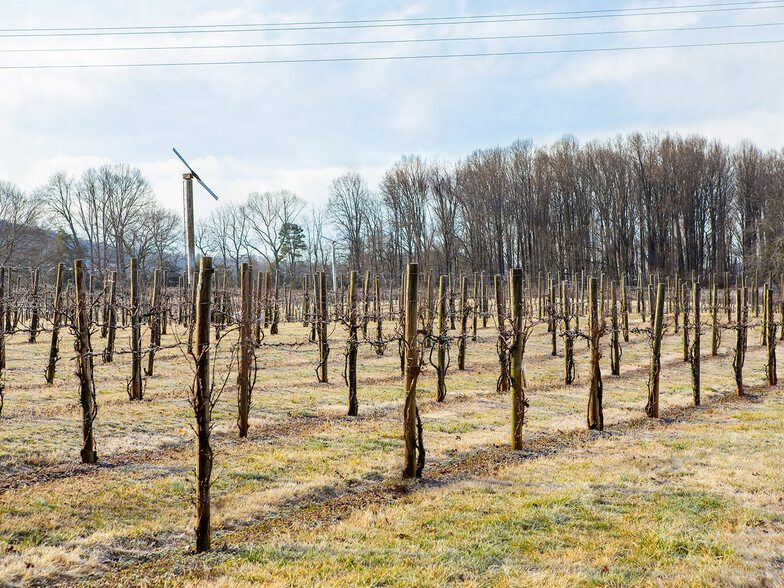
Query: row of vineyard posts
{"x": 246, "y": 318}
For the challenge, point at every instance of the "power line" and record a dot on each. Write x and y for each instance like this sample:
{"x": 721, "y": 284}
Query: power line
{"x": 399, "y": 41}
{"x": 395, "y": 57}
{"x": 392, "y": 23}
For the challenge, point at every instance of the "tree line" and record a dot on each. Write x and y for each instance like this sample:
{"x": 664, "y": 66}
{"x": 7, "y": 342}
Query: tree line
{"x": 630, "y": 205}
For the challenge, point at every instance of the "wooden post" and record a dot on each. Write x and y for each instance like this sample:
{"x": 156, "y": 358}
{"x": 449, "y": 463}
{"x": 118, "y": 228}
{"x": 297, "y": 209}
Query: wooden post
{"x": 275, "y": 307}
{"x": 322, "y": 328}
{"x": 202, "y": 404}
{"x": 246, "y": 347}
{"x": 441, "y": 361}
{"x": 695, "y": 351}
{"x": 379, "y": 320}
{"x": 155, "y": 321}
{"x": 653, "y": 303}
{"x": 402, "y": 323}
{"x": 740, "y": 341}
{"x": 770, "y": 326}
{"x": 685, "y": 334}
{"x": 475, "y": 307}
{"x": 135, "y": 385}
{"x": 84, "y": 367}
{"x": 568, "y": 339}
{"x": 516, "y": 359}
{"x": 715, "y": 320}
{"x": 615, "y": 345}
{"x": 553, "y": 318}
{"x": 2, "y": 334}
{"x": 305, "y": 300}
{"x": 267, "y": 300}
{"x": 366, "y": 292}
{"x": 412, "y": 467}
{"x": 461, "y": 344}
{"x": 625, "y": 308}
{"x": 353, "y": 406}
{"x": 595, "y": 412}
{"x": 34, "y": 316}
{"x": 55, "y": 346}
{"x": 652, "y": 408}
{"x": 108, "y": 353}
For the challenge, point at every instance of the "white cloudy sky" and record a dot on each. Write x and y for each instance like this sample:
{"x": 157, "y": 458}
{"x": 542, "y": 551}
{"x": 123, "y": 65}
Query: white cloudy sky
{"x": 267, "y": 126}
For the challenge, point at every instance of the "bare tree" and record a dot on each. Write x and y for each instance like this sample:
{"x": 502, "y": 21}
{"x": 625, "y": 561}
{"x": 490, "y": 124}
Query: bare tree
{"x": 18, "y": 217}
{"x": 348, "y": 205}
{"x": 267, "y": 212}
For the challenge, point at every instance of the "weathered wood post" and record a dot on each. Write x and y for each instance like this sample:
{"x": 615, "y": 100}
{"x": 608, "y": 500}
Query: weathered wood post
{"x": 652, "y": 408}
{"x": 267, "y": 300}
{"x": 246, "y": 347}
{"x": 412, "y": 466}
{"x": 305, "y": 300}
{"x": 483, "y": 294}
{"x": 401, "y": 348}
{"x": 553, "y": 318}
{"x": 55, "y": 345}
{"x": 111, "y": 333}
{"x": 595, "y": 412}
{"x": 740, "y": 340}
{"x": 34, "y": 315}
{"x": 379, "y": 320}
{"x": 516, "y": 358}
{"x": 715, "y": 320}
{"x": 366, "y": 293}
{"x": 503, "y": 352}
{"x": 695, "y": 350}
{"x": 441, "y": 350}
{"x": 461, "y": 344}
{"x": 475, "y": 307}
{"x": 770, "y": 326}
{"x": 625, "y": 310}
{"x": 2, "y": 334}
{"x": 653, "y": 303}
{"x": 275, "y": 307}
{"x": 615, "y": 344}
{"x": 353, "y": 405}
{"x": 135, "y": 384}
{"x": 155, "y": 321}
{"x": 84, "y": 367}
{"x": 323, "y": 318}
{"x": 202, "y": 403}
{"x": 568, "y": 338}
{"x": 8, "y": 311}
{"x": 685, "y": 334}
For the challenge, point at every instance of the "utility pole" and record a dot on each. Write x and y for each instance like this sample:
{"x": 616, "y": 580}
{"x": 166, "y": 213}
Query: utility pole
{"x": 187, "y": 212}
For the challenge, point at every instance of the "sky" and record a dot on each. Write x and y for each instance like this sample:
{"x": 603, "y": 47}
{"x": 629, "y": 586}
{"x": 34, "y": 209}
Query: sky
{"x": 298, "y": 124}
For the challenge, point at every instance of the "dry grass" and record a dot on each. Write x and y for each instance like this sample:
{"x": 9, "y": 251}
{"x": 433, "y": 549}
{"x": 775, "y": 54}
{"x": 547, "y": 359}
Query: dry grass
{"x": 311, "y": 496}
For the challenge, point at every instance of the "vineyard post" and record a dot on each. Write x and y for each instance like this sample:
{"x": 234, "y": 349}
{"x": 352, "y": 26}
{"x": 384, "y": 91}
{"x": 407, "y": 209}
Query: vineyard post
{"x": 84, "y": 366}
{"x": 54, "y": 347}
{"x": 516, "y": 357}
{"x": 568, "y": 338}
{"x": 625, "y": 304}
{"x": 202, "y": 404}
{"x": 654, "y": 303}
{"x": 108, "y": 353}
{"x": 483, "y": 290}
{"x": 742, "y": 315}
{"x": 652, "y": 408}
{"x": 243, "y": 377}
{"x": 461, "y": 344}
{"x": 105, "y": 309}
{"x": 685, "y": 334}
{"x": 34, "y": 317}
{"x": 475, "y": 307}
{"x": 366, "y": 293}
{"x": 135, "y": 390}
{"x": 379, "y": 318}
{"x": 595, "y": 412}
{"x": 764, "y": 330}
{"x": 322, "y": 327}
{"x": 305, "y": 300}
{"x": 675, "y": 295}
{"x": 715, "y": 320}
{"x": 267, "y": 300}
{"x": 553, "y": 318}
{"x": 9, "y": 326}
{"x": 2, "y": 333}
{"x": 771, "y": 340}
{"x": 353, "y": 407}
{"x": 275, "y": 307}
{"x": 695, "y": 352}
{"x": 451, "y": 303}
{"x": 615, "y": 345}
{"x": 410, "y": 345}
{"x": 155, "y": 320}
{"x": 781, "y": 308}
{"x": 164, "y": 300}
{"x": 441, "y": 361}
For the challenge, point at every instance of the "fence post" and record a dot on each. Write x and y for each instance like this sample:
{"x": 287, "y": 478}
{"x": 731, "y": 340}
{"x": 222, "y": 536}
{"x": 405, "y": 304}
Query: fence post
{"x": 441, "y": 362}
{"x": 695, "y": 353}
{"x": 652, "y": 408}
{"x": 516, "y": 356}
{"x": 595, "y": 411}
{"x": 135, "y": 385}
{"x": 353, "y": 406}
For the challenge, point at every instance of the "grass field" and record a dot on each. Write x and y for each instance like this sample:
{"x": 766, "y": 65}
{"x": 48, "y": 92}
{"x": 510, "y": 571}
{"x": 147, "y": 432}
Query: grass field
{"x": 313, "y": 497}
